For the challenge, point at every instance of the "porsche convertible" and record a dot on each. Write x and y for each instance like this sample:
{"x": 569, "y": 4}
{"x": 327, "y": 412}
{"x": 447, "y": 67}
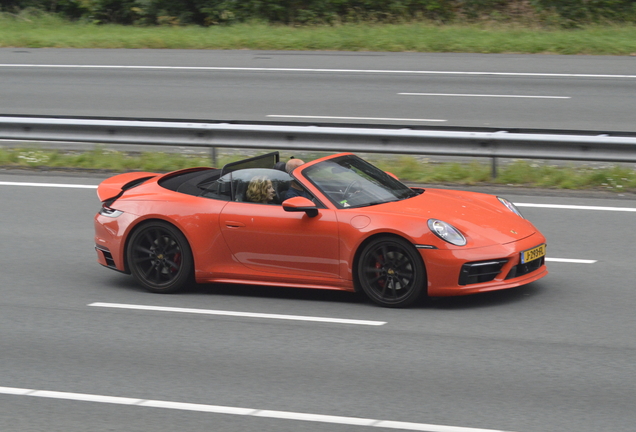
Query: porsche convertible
{"x": 337, "y": 222}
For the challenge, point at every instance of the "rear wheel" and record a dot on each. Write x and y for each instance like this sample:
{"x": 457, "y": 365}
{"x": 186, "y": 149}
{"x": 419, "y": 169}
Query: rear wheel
{"x": 391, "y": 272}
{"x": 160, "y": 257}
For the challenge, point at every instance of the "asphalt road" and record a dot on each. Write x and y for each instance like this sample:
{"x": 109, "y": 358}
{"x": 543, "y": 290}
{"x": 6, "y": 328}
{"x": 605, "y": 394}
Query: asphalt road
{"x": 531, "y": 91}
{"x": 556, "y": 355}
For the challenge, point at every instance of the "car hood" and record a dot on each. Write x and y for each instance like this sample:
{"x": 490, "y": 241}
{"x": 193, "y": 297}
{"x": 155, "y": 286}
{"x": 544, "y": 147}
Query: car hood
{"x": 480, "y": 217}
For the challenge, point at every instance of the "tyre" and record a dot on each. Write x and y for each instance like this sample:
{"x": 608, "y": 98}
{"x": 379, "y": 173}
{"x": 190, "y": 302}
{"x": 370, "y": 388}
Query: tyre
{"x": 160, "y": 257}
{"x": 391, "y": 272}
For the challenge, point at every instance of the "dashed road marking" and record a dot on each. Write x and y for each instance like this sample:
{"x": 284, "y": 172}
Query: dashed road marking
{"x": 576, "y": 207}
{"x": 239, "y": 314}
{"x": 354, "y": 118}
{"x": 571, "y": 260}
{"x": 484, "y": 95}
{"x": 52, "y": 185}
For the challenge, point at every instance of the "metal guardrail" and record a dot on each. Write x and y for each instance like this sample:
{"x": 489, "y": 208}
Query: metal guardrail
{"x": 481, "y": 142}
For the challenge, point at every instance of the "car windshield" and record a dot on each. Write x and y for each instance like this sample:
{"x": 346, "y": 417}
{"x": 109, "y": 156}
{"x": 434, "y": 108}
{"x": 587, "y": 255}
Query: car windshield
{"x": 349, "y": 181}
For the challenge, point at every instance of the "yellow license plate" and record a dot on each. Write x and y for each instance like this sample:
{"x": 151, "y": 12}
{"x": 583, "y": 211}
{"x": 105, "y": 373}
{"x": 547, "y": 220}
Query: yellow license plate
{"x": 533, "y": 254}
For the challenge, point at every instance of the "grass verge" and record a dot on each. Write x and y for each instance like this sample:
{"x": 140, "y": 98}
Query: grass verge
{"x": 52, "y": 32}
{"x": 618, "y": 178}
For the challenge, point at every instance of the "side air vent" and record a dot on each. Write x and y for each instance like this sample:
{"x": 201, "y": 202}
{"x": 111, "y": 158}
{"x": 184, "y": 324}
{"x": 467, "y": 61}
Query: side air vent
{"x": 110, "y": 262}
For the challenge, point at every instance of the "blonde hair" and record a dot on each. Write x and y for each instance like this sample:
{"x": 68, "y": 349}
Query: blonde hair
{"x": 257, "y": 189}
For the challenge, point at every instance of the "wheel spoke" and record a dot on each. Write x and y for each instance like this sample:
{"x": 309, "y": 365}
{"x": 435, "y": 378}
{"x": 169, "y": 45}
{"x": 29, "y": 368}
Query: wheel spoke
{"x": 378, "y": 257}
{"x": 150, "y": 269}
{"x": 158, "y": 274}
{"x": 372, "y": 269}
{"x": 384, "y": 286}
{"x": 402, "y": 261}
{"x": 375, "y": 279}
{"x": 405, "y": 275}
{"x": 393, "y": 288}
{"x": 142, "y": 259}
{"x": 143, "y": 249}
{"x": 149, "y": 238}
{"x": 172, "y": 264}
{"x": 156, "y": 237}
{"x": 385, "y": 253}
{"x": 173, "y": 251}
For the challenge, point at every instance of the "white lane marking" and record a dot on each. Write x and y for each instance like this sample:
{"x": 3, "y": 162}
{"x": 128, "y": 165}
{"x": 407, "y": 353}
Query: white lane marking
{"x": 218, "y": 409}
{"x": 84, "y": 397}
{"x": 372, "y": 71}
{"x": 518, "y": 204}
{"x": 576, "y": 207}
{"x": 239, "y": 314}
{"x": 55, "y": 185}
{"x": 354, "y": 118}
{"x": 571, "y": 260}
{"x": 484, "y": 95}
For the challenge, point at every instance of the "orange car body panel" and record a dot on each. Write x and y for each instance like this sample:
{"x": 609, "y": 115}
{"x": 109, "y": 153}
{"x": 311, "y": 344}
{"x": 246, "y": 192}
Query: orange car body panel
{"x": 235, "y": 242}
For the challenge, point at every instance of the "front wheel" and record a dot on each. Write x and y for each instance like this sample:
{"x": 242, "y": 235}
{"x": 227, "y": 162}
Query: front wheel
{"x": 391, "y": 272}
{"x": 160, "y": 258}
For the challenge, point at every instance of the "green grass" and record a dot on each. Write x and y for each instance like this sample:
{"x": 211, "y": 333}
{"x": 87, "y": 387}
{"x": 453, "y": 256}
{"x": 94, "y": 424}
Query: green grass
{"x": 50, "y": 31}
{"x": 98, "y": 159}
{"x": 407, "y": 168}
{"x": 618, "y": 178}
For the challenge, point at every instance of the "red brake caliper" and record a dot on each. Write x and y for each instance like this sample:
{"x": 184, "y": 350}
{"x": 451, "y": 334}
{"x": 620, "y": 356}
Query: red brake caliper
{"x": 378, "y": 265}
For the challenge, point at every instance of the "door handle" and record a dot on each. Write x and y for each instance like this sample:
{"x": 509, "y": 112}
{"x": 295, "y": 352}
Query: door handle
{"x": 234, "y": 224}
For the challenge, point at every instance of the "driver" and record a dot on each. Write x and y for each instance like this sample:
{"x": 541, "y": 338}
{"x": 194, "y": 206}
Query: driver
{"x": 296, "y": 189}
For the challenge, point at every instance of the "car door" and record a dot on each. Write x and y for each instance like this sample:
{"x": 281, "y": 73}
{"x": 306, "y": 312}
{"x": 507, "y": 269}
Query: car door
{"x": 266, "y": 238}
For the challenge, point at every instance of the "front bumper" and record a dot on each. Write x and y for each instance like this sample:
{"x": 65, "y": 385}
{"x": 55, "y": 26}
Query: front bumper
{"x": 447, "y": 269}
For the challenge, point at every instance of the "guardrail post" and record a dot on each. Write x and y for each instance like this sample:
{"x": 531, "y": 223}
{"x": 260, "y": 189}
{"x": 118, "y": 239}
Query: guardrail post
{"x": 493, "y": 168}
{"x": 213, "y": 157}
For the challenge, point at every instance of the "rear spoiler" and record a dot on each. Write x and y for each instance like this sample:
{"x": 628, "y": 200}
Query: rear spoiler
{"x": 114, "y": 187}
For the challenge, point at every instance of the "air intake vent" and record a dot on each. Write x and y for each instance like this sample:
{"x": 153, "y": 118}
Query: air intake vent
{"x": 481, "y": 271}
{"x": 523, "y": 269}
{"x": 110, "y": 262}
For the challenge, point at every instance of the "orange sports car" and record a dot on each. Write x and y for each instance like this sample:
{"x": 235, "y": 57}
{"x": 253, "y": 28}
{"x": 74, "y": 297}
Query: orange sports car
{"x": 334, "y": 223}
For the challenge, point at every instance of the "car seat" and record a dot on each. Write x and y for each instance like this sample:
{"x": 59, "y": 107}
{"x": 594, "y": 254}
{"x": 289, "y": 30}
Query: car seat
{"x": 240, "y": 187}
{"x": 280, "y": 165}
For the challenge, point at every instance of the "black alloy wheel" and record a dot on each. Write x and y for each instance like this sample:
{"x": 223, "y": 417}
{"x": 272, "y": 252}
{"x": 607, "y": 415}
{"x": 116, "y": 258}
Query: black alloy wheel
{"x": 160, "y": 258}
{"x": 391, "y": 272}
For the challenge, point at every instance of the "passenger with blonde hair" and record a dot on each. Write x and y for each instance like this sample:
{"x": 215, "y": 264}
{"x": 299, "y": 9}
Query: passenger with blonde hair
{"x": 260, "y": 190}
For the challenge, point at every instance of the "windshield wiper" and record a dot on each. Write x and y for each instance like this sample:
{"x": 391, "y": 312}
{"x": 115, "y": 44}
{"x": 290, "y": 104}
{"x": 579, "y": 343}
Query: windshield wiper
{"x": 372, "y": 203}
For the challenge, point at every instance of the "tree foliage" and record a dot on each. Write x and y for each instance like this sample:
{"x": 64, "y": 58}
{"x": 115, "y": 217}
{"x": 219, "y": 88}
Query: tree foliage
{"x": 568, "y": 13}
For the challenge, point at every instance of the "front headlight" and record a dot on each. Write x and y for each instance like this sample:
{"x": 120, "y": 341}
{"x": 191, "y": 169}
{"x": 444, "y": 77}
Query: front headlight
{"x": 510, "y": 207}
{"x": 446, "y": 232}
